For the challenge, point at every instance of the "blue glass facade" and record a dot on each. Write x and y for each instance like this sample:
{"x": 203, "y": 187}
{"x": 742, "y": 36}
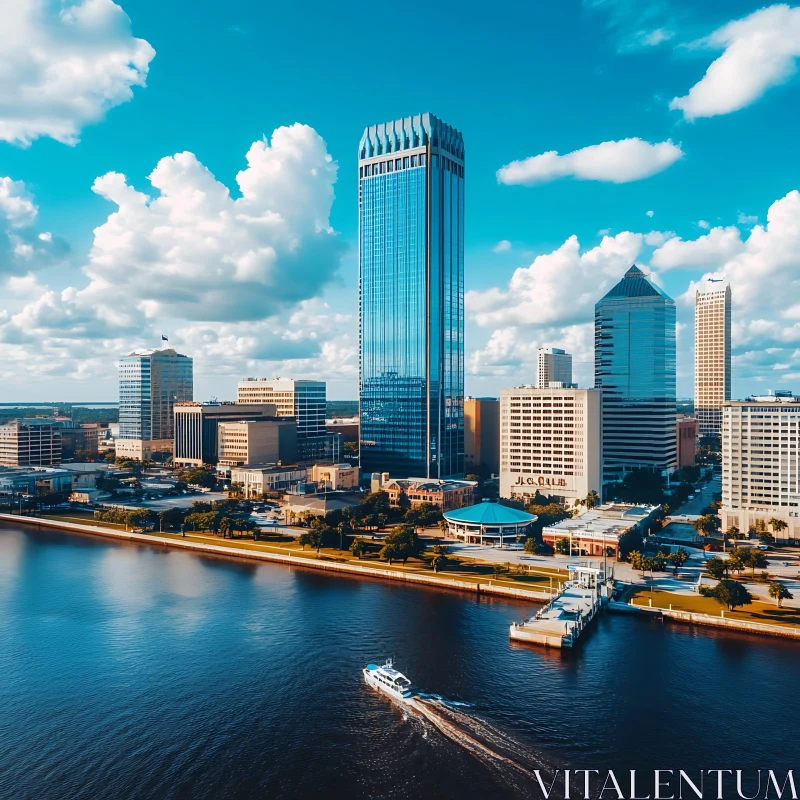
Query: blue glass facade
{"x": 411, "y": 268}
{"x": 635, "y": 370}
{"x": 150, "y": 383}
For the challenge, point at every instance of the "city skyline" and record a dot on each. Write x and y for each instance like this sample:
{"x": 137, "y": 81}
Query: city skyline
{"x": 616, "y": 158}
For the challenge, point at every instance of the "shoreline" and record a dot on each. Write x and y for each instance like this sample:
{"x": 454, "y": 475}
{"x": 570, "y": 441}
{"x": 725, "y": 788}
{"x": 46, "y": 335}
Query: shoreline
{"x": 389, "y": 574}
{"x": 695, "y": 618}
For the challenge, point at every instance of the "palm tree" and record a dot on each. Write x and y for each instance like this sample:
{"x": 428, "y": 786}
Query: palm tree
{"x": 591, "y": 499}
{"x": 778, "y": 525}
{"x": 779, "y": 592}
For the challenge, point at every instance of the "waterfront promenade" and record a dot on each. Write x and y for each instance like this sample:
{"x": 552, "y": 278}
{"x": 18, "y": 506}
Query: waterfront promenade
{"x": 470, "y": 582}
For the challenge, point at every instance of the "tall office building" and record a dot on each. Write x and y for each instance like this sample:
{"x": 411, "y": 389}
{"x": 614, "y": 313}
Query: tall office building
{"x": 634, "y": 367}
{"x": 712, "y": 357}
{"x": 150, "y": 383}
{"x": 411, "y": 299}
{"x": 555, "y": 366}
{"x": 306, "y": 402}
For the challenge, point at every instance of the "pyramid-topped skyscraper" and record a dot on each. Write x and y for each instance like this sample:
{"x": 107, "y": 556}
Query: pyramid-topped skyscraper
{"x": 634, "y": 367}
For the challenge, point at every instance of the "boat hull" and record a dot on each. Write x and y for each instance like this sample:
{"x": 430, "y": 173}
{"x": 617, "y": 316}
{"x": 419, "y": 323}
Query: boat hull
{"x": 371, "y": 681}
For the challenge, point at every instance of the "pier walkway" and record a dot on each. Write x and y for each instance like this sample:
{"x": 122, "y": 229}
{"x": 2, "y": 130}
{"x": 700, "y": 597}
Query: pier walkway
{"x": 561, "y": 622}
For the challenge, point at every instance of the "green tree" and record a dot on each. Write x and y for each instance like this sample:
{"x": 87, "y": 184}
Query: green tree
{"x": 779, "y": 593}
{"x": 388, "y": 553}
{"x": 562, "y": 546}
{"x": 637, "y": 561}
{"x": 439, "y": 561}
{"x": 732, "y": 533}
{"x": 170, "y": 518}
{"x": 305, "y": 539}
{"x": 592, "y": 499}
{"x": 755, "y": 559}
{"x": 717, "y": 567}
{"x": 730, "y": 594}
{"x": 358, "y": 548}
{"x": 405, "y": 542}
{"x": 765, "y": 537}
{"x": 678, "y": 559}
{"x": 706, "y": 524}
{"x": 530, "y": 545}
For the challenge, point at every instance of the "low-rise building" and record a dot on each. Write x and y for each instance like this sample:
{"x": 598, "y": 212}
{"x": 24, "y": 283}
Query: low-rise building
{"x": 263, "y": 441}
{"x": 335, "y": 477}
{"x": 30, "y": 443}
{"x": 197, "y": 428}
{"x": 686, "y": 431}
{"x": 81, "y": 441}
{"x": 256, "y": 481}
{"x": 446, "y": 494}
{"x": 295, "y": 506}
{"x": 35, "y": 481}
{"x": 143, "y": 449}
{"x": 488, "y": 522}
{"x": 600, "y": 528}
{"x": 761, "y": 464}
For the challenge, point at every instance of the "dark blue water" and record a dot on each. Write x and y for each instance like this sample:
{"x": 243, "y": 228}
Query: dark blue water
{"x": 135, "y": 672}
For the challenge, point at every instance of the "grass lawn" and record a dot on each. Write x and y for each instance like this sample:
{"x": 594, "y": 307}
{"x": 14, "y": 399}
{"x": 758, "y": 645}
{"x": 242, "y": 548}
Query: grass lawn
{"x": 464, "y": 569}
{"x": 757, "y": 611}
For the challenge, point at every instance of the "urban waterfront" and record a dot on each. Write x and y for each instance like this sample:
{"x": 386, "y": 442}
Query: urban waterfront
{"x": 141, "y": 672}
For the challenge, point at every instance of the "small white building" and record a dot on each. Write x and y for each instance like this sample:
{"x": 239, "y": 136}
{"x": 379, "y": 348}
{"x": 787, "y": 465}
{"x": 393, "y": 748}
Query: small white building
{"x": 255, "y": 481}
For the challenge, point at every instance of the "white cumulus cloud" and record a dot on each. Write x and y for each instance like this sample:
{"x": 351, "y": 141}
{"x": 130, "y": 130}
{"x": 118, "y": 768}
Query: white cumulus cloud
{"x": 503, "y": 246}
{"x": 705, "y": 251}
{"x": 236, "y": 276}
{"x": 63, "y": 65}
{"x": 23, "y": 246}
{"x": 759, "y": 51}
{"x": 614, "y": 162}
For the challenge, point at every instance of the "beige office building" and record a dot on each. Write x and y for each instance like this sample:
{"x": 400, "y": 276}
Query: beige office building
{"x": 30, "y": 443}
{"x": 335, "y": 477}
{"x": 712, "y": 357}
{"x": 256, "y": 442}
{"x": 761, "y": 464}
{"x": 550, "y": 443}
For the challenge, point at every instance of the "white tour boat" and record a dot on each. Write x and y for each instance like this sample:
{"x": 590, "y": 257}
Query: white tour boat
{"x": 388, "y": 680}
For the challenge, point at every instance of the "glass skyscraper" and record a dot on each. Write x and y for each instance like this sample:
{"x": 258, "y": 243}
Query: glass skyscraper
{"x": 150, "y": 383}
{"x": 634, "y": 367}
{"x": 411, "y": 298}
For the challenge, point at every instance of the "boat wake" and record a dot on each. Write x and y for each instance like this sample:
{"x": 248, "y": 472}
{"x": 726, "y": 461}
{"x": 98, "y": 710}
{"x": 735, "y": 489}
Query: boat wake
{"x": 513, "y": 761}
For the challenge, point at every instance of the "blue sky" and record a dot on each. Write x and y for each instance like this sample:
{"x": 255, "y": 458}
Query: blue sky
{"x": 518, "y": 82}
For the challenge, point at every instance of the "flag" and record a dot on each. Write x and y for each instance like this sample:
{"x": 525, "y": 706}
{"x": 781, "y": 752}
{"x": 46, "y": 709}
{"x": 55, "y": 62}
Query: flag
{"x": 164, "y": 338}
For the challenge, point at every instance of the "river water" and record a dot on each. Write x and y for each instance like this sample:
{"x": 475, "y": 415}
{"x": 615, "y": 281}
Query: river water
{"x": 137, "y": 672}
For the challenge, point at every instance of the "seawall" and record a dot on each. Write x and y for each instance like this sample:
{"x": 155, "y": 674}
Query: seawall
{"x": 692, "y": 618}
{"x": 295, "y": 561}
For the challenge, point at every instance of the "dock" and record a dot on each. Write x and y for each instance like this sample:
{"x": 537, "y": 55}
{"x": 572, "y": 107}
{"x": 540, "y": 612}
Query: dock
{"x": 562, "y": 621}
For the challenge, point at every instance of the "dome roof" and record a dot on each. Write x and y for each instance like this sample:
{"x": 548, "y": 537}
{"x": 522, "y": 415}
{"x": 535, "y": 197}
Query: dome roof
{"x": 487, "y": 513}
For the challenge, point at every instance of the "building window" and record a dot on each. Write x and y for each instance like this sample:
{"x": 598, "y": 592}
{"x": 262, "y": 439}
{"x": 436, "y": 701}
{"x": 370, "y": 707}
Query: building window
{"x": 413, "y": 161}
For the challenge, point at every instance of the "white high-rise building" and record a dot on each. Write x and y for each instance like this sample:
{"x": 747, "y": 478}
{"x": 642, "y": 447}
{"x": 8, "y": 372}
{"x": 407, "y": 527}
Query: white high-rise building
{"x": 151, "y": 382}
{"x": 550, "y": 443}
{"x": 712, "y": 357}
{"x": 555, "y": 366}
{"x": 761, "y": 464}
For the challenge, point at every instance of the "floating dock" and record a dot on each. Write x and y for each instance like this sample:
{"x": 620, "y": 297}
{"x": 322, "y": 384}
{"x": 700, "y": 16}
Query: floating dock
{"x": 561, "y": 622}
